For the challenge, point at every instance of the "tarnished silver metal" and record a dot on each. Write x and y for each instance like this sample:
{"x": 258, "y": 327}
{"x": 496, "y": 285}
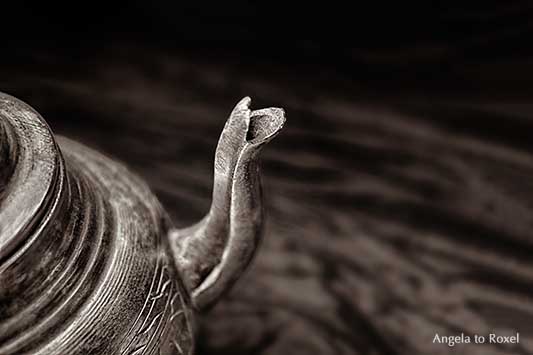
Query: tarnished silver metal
{"x": 89, "y": 261}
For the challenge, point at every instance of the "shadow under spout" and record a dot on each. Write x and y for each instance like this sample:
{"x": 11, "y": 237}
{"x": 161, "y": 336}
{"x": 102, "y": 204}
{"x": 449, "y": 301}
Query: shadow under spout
{"x": 212, "y": 254}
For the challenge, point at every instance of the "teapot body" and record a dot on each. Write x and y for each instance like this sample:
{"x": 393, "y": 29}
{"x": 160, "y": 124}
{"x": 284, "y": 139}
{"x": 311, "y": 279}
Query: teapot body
{"x": 99, "y": 278}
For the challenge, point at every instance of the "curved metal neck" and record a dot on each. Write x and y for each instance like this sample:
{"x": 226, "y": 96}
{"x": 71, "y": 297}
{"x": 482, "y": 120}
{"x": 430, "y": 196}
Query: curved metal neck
{"x": 212, "y": 254}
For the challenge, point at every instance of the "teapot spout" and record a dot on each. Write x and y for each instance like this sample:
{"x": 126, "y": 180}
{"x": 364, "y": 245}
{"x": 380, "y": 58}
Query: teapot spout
{"x": 212, "y": 254}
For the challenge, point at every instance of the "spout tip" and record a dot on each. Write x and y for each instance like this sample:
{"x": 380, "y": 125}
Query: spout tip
{"x": 252, "y": 128}
{"x": 264, "y": 125}
{"x": 244, "y": 104}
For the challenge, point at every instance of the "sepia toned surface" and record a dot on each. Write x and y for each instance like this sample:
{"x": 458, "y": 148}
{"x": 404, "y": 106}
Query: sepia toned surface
{"x": 391, "y": 216}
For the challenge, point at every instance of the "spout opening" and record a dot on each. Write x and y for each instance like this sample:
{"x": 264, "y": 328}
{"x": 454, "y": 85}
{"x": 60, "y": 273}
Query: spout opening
{"x": 265, "y": 125}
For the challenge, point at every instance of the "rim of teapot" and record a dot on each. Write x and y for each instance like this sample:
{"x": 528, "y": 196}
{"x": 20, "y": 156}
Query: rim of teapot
{"x": 31, "y": 176}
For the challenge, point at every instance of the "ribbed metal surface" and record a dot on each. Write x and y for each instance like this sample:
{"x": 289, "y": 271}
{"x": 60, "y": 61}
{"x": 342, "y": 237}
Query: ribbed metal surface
{"x": 90, "y": 270}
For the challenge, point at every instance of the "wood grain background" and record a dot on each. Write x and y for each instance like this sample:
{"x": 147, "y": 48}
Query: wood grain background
{"x": 396, "y": 210}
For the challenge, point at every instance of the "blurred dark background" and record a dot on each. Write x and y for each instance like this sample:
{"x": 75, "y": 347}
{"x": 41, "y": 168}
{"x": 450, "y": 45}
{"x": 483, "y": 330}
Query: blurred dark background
{"x": 399, "y": 195}
{"x": 387, "y": 46}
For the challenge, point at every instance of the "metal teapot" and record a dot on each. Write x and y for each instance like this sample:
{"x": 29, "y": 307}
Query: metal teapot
{"x": 89, "y": 260}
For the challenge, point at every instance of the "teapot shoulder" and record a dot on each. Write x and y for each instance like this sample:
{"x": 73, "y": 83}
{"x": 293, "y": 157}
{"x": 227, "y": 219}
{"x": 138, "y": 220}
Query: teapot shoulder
{"x": 140, "y": 301}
